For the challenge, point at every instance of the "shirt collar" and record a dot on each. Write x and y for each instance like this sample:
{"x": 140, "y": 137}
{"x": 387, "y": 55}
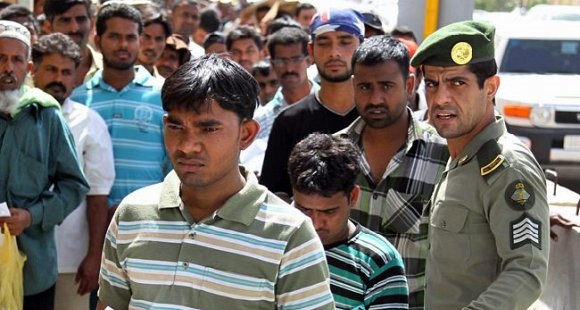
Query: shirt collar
{"x": 492, "y": 132}
{"x": 242, "y": 207}
{"x": 142, "y": 78}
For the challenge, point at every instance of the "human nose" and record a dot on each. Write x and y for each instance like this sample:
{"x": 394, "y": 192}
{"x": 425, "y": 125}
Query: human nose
{"x": 317, "y": 220}
{"x": 190, "y": 143}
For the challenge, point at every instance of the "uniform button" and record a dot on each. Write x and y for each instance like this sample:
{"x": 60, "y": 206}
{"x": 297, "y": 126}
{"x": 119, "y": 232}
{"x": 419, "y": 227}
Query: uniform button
{"x": 443, "y": 224}
{"x": 192, "y": 235}
{"x": 185, "y": 264}
{"x": 375, "y": 196}
{"x": 429, "y": 246}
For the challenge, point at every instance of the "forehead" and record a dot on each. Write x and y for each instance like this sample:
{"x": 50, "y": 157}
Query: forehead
{"x": 260, "y": 77}
{"x": 434, "y": 71}
{"x": 307, "y": 12}
{"x": 336, "y": 35}
{"x": 244, "y": 43}
{"x": 294, "y": 48}
{"x": 319, "y": 202}
{"x": 206, "y": 109}
{"x": 57, "y": 60}
{"x": 154, "y": 28}
{"x": 122, "y": 25}
{"x": 75, "y": 10}
{"x": 382, "y": 71}
{"x": 185, "y": 7}
{"x": 13, "y": 47}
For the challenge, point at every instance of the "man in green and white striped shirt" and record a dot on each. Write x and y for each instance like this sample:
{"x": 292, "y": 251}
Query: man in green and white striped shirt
{"x": 209, "y": 236}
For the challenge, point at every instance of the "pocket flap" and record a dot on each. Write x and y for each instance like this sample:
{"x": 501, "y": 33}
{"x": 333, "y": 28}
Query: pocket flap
{"x": 450, "y": 218}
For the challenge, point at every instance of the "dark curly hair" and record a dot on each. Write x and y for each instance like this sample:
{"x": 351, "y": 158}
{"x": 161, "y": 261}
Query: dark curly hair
{"x": 323, "y": 164}
{"x": 56, "y": 43}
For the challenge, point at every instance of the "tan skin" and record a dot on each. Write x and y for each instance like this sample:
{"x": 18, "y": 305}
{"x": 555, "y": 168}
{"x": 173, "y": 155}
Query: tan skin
{"x": 329, "y": 215}
{"x": 458, "y": 108}
{"x": 76, "y": 23}
{"x": 58, "y": 69}
{"x": 14, "y": 60}
{"x": 292, "y": 76}
{"x": 332, "y": 53}
{"x": 381, "y": 94}
{"x": 204, "y": 150}
{"x": 120, "y": 45}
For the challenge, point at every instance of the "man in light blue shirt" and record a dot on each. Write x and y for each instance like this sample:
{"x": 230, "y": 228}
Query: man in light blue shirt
{"x": 128, "y": 98}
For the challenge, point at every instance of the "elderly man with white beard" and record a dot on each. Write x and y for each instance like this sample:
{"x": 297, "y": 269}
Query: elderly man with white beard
{"x": 41, "y": 181}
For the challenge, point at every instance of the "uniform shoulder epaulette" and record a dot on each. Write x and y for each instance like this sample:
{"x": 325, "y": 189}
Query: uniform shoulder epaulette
{"x": 490, "y": 159}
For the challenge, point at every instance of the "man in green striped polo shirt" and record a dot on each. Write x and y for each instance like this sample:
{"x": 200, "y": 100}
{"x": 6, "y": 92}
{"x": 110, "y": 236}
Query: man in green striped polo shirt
{"x": 366, "y": 271}
{"x": 209, "y": 236}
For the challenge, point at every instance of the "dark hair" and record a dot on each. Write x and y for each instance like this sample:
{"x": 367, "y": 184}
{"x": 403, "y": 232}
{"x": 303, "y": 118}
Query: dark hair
{"x": 262, "y": 67}
{"x": 304, "y": 6}
{"x": 288, "y": 36}
{"x": 483, "y": 70}
{"x": 151, "y": 13}
{"x": 214, "y": 37}
{"x": 121, "y": 10}
{"x": 262, "y": 9}
{"x": 282, "y": 22}
{"x": 56, "y": 43}
{"x": 211, "y": 77}
{"x": 14, "y": 11}
{"x": 403, "y": 31}
{"x": 4, "y": 5}
{"x": 324, "y": 165}
{"x": 209, "y": 20}
{"x": 177, "y": 3}
{"x": 244, "y": 32}
{"x": 52, "y": 8}
{"x": 380, "y": 49}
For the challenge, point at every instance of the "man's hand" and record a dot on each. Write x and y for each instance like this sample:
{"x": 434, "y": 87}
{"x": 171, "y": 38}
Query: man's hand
{"x": 18, "y": 221}
{"x": 88, "y": 274}
{"x": 558, "y": 220}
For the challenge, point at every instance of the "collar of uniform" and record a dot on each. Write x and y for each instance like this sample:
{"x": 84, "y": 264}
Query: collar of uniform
{"x": 142, "y": 78}
{"x": 241, "y": 207}
{"x": 67, "y": 107}
{"x": 492, "y": 132}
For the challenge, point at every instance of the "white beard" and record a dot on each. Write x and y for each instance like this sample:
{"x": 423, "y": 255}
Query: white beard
{"x": 9, "y": 100}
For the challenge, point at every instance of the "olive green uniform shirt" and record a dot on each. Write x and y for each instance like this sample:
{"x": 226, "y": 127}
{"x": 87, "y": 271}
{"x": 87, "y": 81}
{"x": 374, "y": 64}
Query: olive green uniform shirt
{"x": 489, "y": 227}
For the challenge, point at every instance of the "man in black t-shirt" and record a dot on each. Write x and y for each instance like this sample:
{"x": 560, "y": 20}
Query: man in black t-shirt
{"x": 335, "y": 36}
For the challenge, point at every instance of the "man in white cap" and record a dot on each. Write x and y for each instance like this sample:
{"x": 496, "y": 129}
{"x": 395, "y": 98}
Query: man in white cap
{"x": 40, "y": 179}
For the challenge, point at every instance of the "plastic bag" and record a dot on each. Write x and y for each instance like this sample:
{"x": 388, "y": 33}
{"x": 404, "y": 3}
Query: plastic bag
{"x": 11, "y": 264}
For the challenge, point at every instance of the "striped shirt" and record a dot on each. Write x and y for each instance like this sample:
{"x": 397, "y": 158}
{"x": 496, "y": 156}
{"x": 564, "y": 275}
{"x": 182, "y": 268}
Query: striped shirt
{"x": 134, "y": 117}
{"x": 255, "y": 252}
{"x": 367, "y": 272}
{"x": 394, "y": 207}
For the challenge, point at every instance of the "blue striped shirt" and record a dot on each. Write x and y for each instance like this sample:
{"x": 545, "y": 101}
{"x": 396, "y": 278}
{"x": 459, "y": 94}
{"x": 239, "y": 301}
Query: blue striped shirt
{"x": 134, "y": 117}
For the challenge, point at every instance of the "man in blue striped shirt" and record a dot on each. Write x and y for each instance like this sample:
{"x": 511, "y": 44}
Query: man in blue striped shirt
{"x": 366, "y": 271}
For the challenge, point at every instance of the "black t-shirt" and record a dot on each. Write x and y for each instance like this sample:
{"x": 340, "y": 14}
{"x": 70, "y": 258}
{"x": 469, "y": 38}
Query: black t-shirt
{"x": 292, "y": 125}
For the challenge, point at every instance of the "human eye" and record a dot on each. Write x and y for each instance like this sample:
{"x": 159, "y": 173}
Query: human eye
{"x": 210, "y": 129}
{"x": 430, "y": 84}
{"x": 63, "y": 20}
{"x": 82, "y": 19}
{"x": 457, "y": 82}
{"x": 364, "y": 86}
{"x": 174, "y": 126}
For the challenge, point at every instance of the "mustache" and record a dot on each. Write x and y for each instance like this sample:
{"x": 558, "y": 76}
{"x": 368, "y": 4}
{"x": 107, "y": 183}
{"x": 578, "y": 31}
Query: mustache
{"x": 333, "y": 61}
{"x": 9, "y": 75}
{"x": 290, "y": 74}
{"x": 58, "y": 85}
{"x": 376, "y": 106}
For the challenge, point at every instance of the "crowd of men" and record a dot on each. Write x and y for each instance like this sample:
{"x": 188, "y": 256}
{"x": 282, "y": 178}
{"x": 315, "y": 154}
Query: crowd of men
{"x": 279, "y": 159}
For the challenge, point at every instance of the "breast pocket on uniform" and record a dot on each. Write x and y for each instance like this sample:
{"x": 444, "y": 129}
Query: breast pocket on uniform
{"x": 448, "y": 239}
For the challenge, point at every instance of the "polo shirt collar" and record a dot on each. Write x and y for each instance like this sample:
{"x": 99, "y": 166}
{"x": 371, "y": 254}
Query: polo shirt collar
{"x": 242, "y": 207}
{"x": 142, "y": 78}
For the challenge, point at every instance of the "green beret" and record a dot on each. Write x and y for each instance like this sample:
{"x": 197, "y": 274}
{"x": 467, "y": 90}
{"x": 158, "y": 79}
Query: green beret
{"x": 457, "y": 44}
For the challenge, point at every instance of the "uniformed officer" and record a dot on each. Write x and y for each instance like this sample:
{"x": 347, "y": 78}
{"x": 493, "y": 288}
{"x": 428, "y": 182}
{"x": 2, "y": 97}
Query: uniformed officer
{"x": 489, "y": 230}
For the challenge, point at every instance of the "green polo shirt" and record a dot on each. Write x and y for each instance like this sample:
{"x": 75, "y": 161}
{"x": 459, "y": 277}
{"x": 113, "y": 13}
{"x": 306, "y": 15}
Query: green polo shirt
{"x": 255, "y": 252}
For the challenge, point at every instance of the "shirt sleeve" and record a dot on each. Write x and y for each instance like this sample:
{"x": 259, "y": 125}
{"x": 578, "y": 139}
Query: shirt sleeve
{"x": 69, "y": 184}
{"x": 114, "y": 287}
{"x": 518, "y": 216}
{"x": 274, "y": 174}
{"x": 303, "y": 279}
{"x": 99, "y": 165}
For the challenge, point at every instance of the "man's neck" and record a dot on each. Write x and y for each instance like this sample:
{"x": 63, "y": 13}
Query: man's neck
{"x": 203, "y": 202}
{"x": 85, "y": 66}
{"x": 118, "y": 79}
{"x": 338, "y": 97}
{"x": 293, "y": 95}
{"x": 395, "y": 132}
{"x": 148, "y": 67}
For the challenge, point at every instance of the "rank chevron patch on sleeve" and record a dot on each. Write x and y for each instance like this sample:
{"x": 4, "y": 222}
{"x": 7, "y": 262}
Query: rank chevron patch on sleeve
{"x": 525, "y": 230}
